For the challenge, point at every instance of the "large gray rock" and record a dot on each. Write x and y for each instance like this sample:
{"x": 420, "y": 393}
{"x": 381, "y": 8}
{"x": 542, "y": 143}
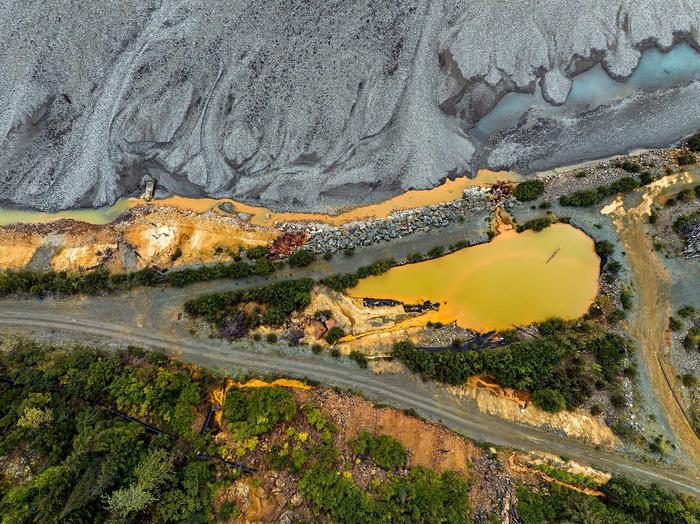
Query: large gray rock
{"x": 297, "y": 104}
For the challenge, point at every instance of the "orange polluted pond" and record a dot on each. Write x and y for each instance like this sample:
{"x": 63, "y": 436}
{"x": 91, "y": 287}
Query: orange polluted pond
{"x": 516, "y": 279}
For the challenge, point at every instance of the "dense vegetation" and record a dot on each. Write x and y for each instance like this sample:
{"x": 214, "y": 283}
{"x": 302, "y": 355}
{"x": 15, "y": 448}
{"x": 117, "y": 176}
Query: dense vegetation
{"x": 280, "y": 300}
{"x": 624, "y": 502}
{"x": 387, "y": 452}
{"x": 694, "y": 143}
{"x": 590, "y": 197}
{"x": 556, "y": 367}
{"x": 528, "y": 190}
{"x": 537, "y": 224}
{"x": 345, "y": 281}
{"x": 251, "y": 412}
{"x": 41, "y": 283}
{"x": 77, "y": 462}
{"x": 421, "y": 496}
{"x": 301, "y": 258}
{"x": 88, "y": 465}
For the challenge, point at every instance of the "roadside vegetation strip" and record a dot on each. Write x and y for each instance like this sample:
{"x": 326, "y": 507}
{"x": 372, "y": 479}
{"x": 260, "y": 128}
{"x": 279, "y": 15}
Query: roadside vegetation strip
{"x": 590, "y": 197}
{"x": 551, "y": 367}
{"x": 42, "y": 283}
{"x": 624, "y": 501}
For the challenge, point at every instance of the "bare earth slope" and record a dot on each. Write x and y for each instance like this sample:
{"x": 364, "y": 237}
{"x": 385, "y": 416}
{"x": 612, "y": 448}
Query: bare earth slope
{"x": 299, "y": 105}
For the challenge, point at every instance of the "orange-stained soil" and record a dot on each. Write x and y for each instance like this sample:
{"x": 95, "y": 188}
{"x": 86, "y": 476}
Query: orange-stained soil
{"x": 147, "y": 236}
{"x": 447, "y": 192}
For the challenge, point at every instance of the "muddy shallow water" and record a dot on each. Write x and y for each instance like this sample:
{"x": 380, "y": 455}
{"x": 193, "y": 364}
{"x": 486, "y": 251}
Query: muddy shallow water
{"x": 516, "y": 279}
{"x": 448, "y": 191}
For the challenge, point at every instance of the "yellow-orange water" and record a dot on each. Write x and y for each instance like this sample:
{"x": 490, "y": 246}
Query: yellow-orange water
{"x": 449, "y": 191}
{"x": 516, "y": 279}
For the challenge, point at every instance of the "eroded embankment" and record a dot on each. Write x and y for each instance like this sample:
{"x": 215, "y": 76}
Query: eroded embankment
{"x": 178, "y": 231}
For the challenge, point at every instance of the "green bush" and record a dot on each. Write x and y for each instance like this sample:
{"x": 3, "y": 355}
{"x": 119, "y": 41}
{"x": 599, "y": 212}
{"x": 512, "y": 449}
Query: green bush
{"x": 604, "y": 248}
{"x": 341, "y": 282}
{"x": 360, "y": 358}
{"x": 686, "y": 311}
{"x": 386, "y": 451}
{"x": 421, "y": 496}
{"x": 674, "y": 324}
{"x": 549, "y": 400}
{"x": 257, "y": 252}
{"x": 436, "y": 252}
{"x": 254, "y": 411}
{"x": 628, "y": 165}
{"x": 334, "y": 334}
{"x": 376, "y": 268}
{"x": 687, "y": 159}
{"x": 624, "y": 185}
{"x": 694, "y": 143}
{"x": 176, "y": 254}
{"x": 271, "y": 338}
{"x": 692, "y": 339}
{"x": 537, "y": 224}
{"x": 301, "y": 258}
{"x": 646, "y": 178}
{"x": 528, "y": 190}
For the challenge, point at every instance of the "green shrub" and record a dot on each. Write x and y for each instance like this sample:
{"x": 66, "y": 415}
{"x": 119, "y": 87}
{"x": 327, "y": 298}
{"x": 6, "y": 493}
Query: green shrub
{"x": 386, "y": 451}
{"x": 375, "y": 268}
{"x": 674, "y": 324}
{"x": 528, "y": 190}
{"x": 687, "y": 159}
{"x": 359, "y": 358}
{"x": 694, "y": 143}
{"x": 228, "y": 511}
{"x": 624, "y": 185}
{"x": 257, "y": 252}
{"x": 271, "y": 338}
{"x": 689, "y": 380}
{"x": 254, "y": 411}
{"x": 646, "y": 178}
{"x": 549, "y": 400}
{"x": 334, "y": 334}
{"x": 686, "y": 311}
{"x": 537, "y": 224}
{"x": 301, "y": 258}
{"x": 317, "y": 348}
{"x": 436, "y": 252}
{"x": 626, "y": 298}
{"x": 692, "y": 339}
{"x": 281, "y": 298}
{"x": 176, "y": 254}
{"x": 341, "y": 282}
{"x": 628, "y": 165}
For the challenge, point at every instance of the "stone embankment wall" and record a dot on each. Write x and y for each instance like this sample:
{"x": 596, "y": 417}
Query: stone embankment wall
{"x": 325, "y": 238}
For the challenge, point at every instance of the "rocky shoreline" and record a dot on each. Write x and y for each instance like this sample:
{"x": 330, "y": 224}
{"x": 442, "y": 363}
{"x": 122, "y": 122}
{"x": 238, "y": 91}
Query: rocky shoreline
{"x": 324, "y": 238}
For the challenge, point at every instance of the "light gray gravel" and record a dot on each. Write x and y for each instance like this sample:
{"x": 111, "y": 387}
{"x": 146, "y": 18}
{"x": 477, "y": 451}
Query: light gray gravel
{"x": 302, "y": 104}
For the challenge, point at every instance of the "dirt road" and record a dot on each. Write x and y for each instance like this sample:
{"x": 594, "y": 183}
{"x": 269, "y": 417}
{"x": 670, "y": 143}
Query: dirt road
{"x": 429, "y": 400}
{"x": 652, "y": 285}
